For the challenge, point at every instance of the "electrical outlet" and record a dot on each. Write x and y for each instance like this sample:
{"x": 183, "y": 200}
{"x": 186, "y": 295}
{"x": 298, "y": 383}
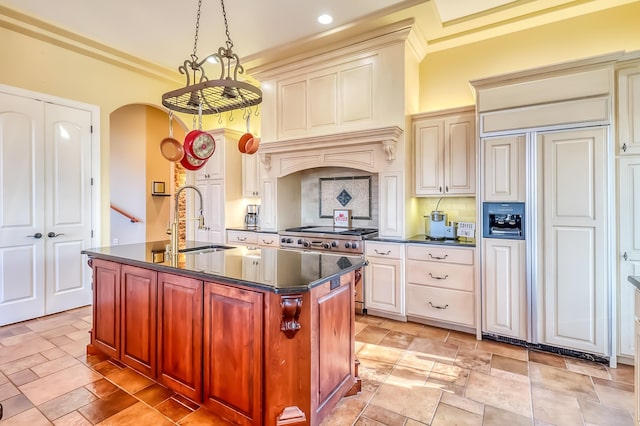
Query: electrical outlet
{"x": 116, "y": 241}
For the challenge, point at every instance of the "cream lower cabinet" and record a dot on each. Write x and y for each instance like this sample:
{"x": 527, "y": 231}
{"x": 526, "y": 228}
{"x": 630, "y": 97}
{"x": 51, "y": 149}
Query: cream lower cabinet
{"x": 383, "y": 279}
{"x": 504, "y": 290}
{"x": 245, "y": 238}
{"x": 629, "y": 250}
{"x": 441, "y": 285}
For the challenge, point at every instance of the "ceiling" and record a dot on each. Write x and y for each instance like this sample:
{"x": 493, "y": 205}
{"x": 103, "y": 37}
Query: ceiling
{"x": 162, "y": 32}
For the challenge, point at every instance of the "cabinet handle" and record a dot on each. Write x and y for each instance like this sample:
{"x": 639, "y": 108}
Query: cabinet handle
{"x": 625, "y": 256}
{"x": 439, "y": 189}
{"x": 446, "y": 189}
{"x": 36, "y": 235}
{"x": 242, "y": 238}
{"x": 437, "y": 257}
{"x": 439, "y": 307}
{"x": 381, "y": 253}
{"x": 267, "y": 242}
{"x": 624, "y": 147}
{"x": 439, "y": 278}
{"x": 53, "y": 235}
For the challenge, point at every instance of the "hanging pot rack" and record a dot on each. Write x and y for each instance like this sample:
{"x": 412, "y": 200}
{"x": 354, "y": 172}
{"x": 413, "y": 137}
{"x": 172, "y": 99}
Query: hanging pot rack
{"x": 212, "y": 96}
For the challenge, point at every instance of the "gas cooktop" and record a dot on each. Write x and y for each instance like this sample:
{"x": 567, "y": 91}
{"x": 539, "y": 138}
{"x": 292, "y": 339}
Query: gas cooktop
{"x": 333, "y": 230}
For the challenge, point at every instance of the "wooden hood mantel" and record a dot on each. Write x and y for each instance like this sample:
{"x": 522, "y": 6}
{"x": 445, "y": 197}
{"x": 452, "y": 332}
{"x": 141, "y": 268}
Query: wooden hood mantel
{"x": 387, "y": 137}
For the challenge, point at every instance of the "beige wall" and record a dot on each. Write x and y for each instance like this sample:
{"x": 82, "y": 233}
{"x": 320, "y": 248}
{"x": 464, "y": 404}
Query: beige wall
{"x": 445, "y": 76}
{"x": 43, "y": 66}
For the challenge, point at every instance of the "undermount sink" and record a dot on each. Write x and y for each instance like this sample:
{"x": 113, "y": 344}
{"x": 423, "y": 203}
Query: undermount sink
{"x": 204, "y": 249}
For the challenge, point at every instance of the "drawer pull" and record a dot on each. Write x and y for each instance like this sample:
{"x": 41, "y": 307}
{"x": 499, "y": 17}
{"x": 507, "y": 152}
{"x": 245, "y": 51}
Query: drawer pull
{"x": 438, "y": 257}
{"x": 439, "y": 307}
{"x": 242, "y": 238}
{"x": 439, "y": 278}
{"x": 381, "y": 253}
{"x": 267, "y": 242}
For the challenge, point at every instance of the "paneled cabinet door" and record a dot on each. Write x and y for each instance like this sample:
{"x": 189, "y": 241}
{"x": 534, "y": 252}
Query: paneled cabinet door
{"x": 445, "y": 155}
{"x": 250, "y": 176}
{"x": 574, "y": 308}
{"x": 383, "y": 286}
{"x": 105, "y": 335}
{"x": 268, "y": 220}
{"x": 213, "y": 211}
{"x": 629, "y": 251}
{"x": 180, "y": 334}
{"x": 629, "y": 110}
{"x": 504, "y": 288}
{"x": 504, "y": 168}
{"x": 233, "y": 353}
{"x": 138, "y": 319}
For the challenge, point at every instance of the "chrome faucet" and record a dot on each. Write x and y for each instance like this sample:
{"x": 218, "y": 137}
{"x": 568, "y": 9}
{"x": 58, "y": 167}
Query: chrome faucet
{"x": 175, "y": 236}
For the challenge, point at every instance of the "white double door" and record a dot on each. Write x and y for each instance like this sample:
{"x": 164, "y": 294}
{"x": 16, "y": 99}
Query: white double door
{"x": 45, "y": 207}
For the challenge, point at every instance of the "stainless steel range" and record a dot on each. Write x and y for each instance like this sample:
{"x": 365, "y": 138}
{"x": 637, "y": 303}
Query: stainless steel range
{"x": 331, "y": 239}
{"x": 326, "y": 238}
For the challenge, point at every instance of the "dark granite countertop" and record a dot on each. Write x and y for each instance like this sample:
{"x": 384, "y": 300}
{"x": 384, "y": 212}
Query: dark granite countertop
{"x": 635, "y": 280}
{"x": 243, "y": 229}
{"x": 421, "y": 239}
{"x": 278, "y": 270}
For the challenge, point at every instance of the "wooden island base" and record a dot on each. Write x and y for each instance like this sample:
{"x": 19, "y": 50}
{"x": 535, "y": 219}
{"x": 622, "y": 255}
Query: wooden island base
{"x": 252, "y": 356}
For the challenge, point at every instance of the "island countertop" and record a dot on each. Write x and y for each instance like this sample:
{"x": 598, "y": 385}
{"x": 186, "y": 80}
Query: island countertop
{"x": 281, "y": 271}
{"x": 635, "y": 280}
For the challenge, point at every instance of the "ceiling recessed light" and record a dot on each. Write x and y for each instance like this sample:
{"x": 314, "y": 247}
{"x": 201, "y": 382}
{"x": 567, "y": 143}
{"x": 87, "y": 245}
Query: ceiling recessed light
{"x": 325, "y": 19}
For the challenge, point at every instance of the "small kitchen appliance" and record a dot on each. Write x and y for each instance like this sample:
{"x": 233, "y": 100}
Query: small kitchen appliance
{"x": 435, "y": 225}
{"x": 251, "y": 218}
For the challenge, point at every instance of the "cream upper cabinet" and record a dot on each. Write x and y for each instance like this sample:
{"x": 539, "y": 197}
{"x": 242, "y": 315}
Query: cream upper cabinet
{"x": 250, "y": 176}
{"x": 383, "y": 279}
{"x": 629, "y": 110}
{"x": 219, "y": 181}
{"x": 504, "y": 168}
{"x": 445, "y": 152}
{"x": 504, "y": 288}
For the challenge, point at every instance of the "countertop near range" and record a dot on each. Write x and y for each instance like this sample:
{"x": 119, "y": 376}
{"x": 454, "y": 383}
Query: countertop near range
{"x": 422, "y": 239}
{"x": 635, "y": 280}
{"x": 289, "y": 271}
{"x": 244, "y": 229}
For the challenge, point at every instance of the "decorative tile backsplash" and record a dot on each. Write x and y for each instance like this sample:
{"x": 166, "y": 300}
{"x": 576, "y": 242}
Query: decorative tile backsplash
{"x": 352, "y": 192}
{"x": 328, "y": 188}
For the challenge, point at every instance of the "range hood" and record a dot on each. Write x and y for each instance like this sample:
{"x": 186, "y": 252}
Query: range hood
{"x": 358, "y": 149}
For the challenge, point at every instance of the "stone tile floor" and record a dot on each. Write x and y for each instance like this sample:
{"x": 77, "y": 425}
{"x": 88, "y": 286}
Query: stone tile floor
{"x": 412, "y": 375}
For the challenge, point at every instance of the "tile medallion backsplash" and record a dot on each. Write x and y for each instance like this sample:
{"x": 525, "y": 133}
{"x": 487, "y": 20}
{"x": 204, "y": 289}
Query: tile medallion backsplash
{"x": 352, "y": 193}
{"x": 328, "y": 188}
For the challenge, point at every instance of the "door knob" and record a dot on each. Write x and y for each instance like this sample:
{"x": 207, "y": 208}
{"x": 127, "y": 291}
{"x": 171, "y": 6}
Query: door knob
{"x": 36, "y": 235}
{"x": 625, "y": 256}
{"x": 53, "y": 235}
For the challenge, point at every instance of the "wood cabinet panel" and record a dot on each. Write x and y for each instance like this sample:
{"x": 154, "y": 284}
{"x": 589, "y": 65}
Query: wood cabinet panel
{"x": 138, "y": 319}
{"x": 180, "y": 334}
{"x": 233, "y": 353}
{"x": 106, "y": 307}
{"x": 334, "y": 334}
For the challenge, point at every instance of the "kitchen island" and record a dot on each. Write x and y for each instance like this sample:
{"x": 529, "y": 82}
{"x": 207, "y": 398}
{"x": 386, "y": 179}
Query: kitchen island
{"x": 259, "y": 336}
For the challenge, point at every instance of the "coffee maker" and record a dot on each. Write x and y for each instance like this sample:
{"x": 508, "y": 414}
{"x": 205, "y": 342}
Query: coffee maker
{"x": 251, "y": 218}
